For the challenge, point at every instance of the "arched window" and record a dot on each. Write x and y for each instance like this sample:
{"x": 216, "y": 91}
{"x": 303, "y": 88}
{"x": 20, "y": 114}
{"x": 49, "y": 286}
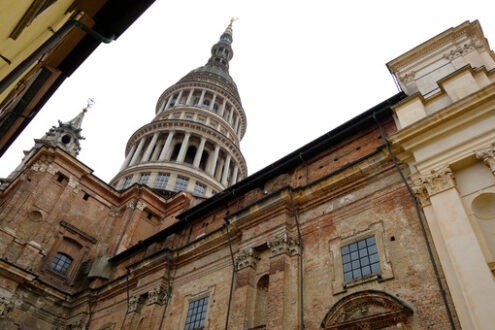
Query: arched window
{"x": 196, "y": 101}
{"x": 190, "y": 154}
{"x": 61, "y": 263}
{"x": 206, "y": 102}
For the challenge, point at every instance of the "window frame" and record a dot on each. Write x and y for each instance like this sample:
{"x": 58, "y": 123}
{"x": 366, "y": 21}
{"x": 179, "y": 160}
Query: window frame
{"x": 175, "y": 183}
{"x": 66, "y": 269}
{"x": 201, "y": 308}
{"x": 155, "y": 184}
{"x": 126, "y": 184}
{"x": 375, "y": 229}
{"x": 144, "y": 175}
{"x": 357, "y": 258}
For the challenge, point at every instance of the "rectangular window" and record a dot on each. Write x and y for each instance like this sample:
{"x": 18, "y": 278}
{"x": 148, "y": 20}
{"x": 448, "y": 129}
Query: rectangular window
{"x": 213, "y": 124}
{"x": 360, "y": 259}
{"x": 127, "y": 182}
{"x": 143, "y": 179}
{"x": 189, "y": 117}
{"x": 196, "y": 314}
{"x": 161, "y": 181}
{"x": 201, "y": 120}
{"x": 199, "y": 189}
{"x": 181, "y": 184}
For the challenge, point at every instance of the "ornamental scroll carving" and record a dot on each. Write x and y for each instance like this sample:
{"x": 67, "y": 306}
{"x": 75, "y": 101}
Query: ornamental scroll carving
{"x": 464, "y": 49}
{"x": 283, "y": 244}
{"x": 135, "y": 304}
{"x": 436, "y": 182}
{"x": 488, "y": 157}
{"x": 369, "y": 309}
{"x": 246, "y": 258}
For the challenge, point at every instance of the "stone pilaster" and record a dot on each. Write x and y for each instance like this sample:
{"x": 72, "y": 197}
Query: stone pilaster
{"x": 243, "y": 295}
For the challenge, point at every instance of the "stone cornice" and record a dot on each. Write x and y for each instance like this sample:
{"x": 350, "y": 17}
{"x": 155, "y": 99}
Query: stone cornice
{"x": 467, "y": 29}
{"x": 437, "y": 124}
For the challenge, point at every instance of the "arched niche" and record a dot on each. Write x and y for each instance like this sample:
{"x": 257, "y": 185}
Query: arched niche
{"x": 368, "y": 309}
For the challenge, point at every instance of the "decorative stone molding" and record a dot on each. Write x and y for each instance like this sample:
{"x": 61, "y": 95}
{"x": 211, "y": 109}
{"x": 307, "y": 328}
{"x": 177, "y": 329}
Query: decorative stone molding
{"x": 487, "y": 156}
{"x": 437, "y": 181}
{"x": 139, "y": 205}
{"x": 158, "y": 296}
{"x": 5, "y": 307}
{"x": 41, "y": 167}
{"x": 283, "y": 244}
{"x": 462, "y": 50}
{"x": 368, "y": 309}
{"x": 74, "y": 185}
{"x": 246, "y": 258}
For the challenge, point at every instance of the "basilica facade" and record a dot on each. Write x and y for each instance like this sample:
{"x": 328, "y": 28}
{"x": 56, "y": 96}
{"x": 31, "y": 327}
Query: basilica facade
{"x": 385, "y": 222}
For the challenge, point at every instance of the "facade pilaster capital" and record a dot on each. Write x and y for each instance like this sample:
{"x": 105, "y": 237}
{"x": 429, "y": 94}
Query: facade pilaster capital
{"x": 139, "y": 205}
{"x": 246, "y": 258}
{"x": 437, "y": 181}
{"x": 158, "y": 296}
{"x": 487, "y": 156}
{"x": 283, "y": 244}
{"x": 421, "y": 192}
{"x": 135, "y": 303}
{"x": 42, "y": 167}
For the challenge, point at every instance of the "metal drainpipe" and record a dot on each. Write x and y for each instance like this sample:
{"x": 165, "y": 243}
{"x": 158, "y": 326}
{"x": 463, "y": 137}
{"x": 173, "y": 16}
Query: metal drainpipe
{"x": 138, "y": 193}
{"x": 127, "y": 290}
{"x": 418, "y": 213}
{"x": 234, "y": 270}
{"x": 301, "y": 282}
{"x": 47, "y": 46}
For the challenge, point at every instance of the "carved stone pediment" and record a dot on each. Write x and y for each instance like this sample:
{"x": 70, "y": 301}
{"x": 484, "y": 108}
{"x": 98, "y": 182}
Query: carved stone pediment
{"x": 368, "y": 309}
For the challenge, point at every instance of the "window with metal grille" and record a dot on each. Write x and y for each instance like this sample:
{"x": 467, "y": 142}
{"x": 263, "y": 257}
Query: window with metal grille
{"x": 61, "y": 263}
{"x": 127, "y": 182}
{"x": 199, "y": 189}
{"x": 143, "y": 179}
{"x": 161, "y": 181}
{"x": 196, "y": 314}
{"x": 181, "y": 183}
{"x": 360, "y": 259}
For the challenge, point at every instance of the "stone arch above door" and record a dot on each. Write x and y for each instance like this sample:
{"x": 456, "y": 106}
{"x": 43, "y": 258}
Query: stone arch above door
{"x": 367, "y": 309}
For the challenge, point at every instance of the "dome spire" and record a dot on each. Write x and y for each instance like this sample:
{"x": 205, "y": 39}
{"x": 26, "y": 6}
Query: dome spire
{"x": 221, "y": 52}
{"x": 76, "y": 122}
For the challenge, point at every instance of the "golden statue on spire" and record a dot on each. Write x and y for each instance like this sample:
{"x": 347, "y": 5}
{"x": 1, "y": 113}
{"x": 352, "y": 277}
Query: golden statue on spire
{"x": 232, "y": 20}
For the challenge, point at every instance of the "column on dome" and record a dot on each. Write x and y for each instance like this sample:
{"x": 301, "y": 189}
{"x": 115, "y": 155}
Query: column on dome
{"x": 234, "y": 174}
{"x": 236, "y": 124}
{"x": 199, "y": 153}
{"x": 128, "y": 158}
{"x": 218, "y": 173}
{"x": 156, "y": 152}
{"x": 162, "y": 107}
{"x": 213, "y": 165}
{"x": 226, "y": 170}
{"x": 213, "y": 99}
{"x": 183, "y": 148}
{"x": 169, "y": 101}
{"x": 189, "y": 97}
{"x": 151, "y": 145}
{"x": 166, "y": 147}
{"x": 200, "y": 103}
{"x": 231, "y": 115}
{"x": 222, "y": 109}
{"x": 138, "y": 151}
{"x": 179, "y": 97}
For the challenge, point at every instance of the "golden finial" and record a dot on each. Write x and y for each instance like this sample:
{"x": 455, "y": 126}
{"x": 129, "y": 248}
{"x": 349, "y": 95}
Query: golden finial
{"x": 232, "y": 20}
